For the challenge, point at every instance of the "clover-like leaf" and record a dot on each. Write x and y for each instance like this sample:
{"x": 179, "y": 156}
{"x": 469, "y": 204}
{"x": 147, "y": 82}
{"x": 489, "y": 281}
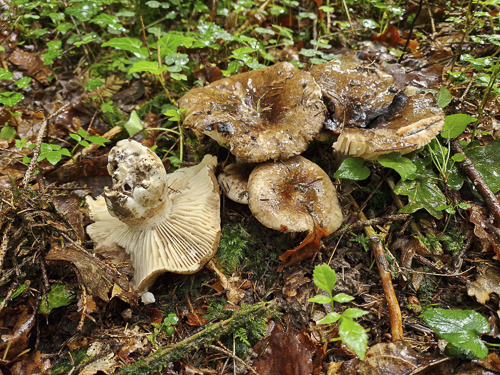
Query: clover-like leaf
{"x": 353, "y": 169}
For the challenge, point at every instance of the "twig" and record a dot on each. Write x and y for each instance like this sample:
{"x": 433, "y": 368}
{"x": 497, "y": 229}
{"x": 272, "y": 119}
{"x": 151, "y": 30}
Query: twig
{"x": 477, "y": 179}
{"x": 385, "y": 276}
{"x": 411, "y": 31}
{"x": 236, "y": 358}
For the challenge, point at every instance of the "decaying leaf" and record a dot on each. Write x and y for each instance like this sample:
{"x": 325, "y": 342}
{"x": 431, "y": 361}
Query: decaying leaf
{"x": 487, "y": 282}
{"x": 99, "y": 277}
{"x": 393, "y": 358}
{"x": 288, "y": 354}
{"x": 16, "y": 326}
{"x": 32, "y": 64}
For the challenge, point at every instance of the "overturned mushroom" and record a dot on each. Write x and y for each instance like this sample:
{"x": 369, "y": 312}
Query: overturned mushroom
{"x": 165, "y": 222}
{"x": 295, "y": 195}
{"x": 270, "y": 113}
{"x": 371, "y": 115}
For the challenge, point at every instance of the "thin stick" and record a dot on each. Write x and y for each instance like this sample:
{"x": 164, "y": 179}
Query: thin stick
{"x": 385, "y": 276}
{"x": 236, "y": 358}
{"x": 477, "y": 179}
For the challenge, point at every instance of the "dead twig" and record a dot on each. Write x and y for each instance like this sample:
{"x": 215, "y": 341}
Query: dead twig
{"x": 385, "y": 276}
{"x": 477, "y": 179}
{"x": 236, "y": 358}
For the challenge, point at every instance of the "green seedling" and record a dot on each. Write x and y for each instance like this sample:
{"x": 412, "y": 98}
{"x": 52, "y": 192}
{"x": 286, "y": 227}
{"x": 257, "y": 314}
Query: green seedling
{"x": 166, "y": 328}
{"x": 351, "y": 333}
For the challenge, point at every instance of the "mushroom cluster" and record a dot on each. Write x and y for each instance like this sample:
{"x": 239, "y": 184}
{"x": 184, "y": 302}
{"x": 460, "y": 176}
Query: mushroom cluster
{"x": 165, "y": 222}
{"x": 273, "y": 114}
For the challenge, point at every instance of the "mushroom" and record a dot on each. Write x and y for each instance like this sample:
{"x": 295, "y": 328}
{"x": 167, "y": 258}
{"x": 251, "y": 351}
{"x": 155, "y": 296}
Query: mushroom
{"x": 295, "y": 195}
{"x": 372, "y": 117}
{"x": 234, "y": 181}
{"x": 270, "y": 113}
{"x": 164, "y": 222}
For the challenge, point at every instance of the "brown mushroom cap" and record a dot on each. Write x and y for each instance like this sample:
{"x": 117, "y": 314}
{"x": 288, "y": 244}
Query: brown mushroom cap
{"x": 270, "y": 113}
{"x": 234, "y": 181}
{"x": 294, "y": 195}
{"x": 371, "y": 117}
{"x": 164, "y": 222}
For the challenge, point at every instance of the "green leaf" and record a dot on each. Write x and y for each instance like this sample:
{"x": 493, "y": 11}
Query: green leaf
{"x": 422, "y": 193}
{"x": 342, "y": 298}
{"x": 23, "y": 82}
{"x": 147, "y": 66}
{"x": 134, "y": 124}
{"x": 4, "y": 74}
{"x": 10, "y": 99}
{"x": 94, "y": 83}
{"x": 330, "y": 318}
{"x": 354, "y": 336}
{"x": 58, "y": 296}
{"x": 168, "y": 44}
{"x": 112, "y": 23}
{"x": 324, "y": 277}
{"x": 400, "y": 164}
{"x": 460, "y": 328}
{"x": 454, "y": 125}
{"x": 444, "y": 97}
{"x": 54, "y": 49}
{"x": 8, "y": 133}
{"x": 21, "y": 143}
{"x": 458, "y": 157}
{"x": 353, "y": 169}
{"x": 320, "y": 299}
{"x": 127, "y": 44}
{"x": 487, "y": 162}
{"x": 101, "y": 141}
{"x": 354, "y": 313}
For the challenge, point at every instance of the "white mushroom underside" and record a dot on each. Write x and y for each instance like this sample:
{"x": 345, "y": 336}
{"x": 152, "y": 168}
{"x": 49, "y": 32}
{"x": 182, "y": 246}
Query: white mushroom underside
{"x": 181, "y": 244}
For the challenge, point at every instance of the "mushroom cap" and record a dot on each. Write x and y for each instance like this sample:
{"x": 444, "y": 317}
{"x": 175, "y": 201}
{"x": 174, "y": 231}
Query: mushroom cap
{"x": 234, "y": 181}
{"x": 370, "y": 115}
{"x": 179, "y": 233}
{"x": 270, "y": 113}
{"x": 411, "y": 129}
{"x": 294, "y": 195}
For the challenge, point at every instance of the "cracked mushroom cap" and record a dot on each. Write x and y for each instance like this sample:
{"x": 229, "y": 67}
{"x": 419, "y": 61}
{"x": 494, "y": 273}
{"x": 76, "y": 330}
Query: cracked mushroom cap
{"x": 270, "y": 113}
{"x": 294, "y": 195}
{"x": 165, "y": 222}
{"x": 372, "y": 117}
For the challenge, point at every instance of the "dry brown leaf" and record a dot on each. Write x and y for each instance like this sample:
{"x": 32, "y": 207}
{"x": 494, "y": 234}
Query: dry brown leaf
{"x": 393, "y": 358}
{"x": 98, "y": 276}
{"x": 32, "y": 64}
{"x": 487, "y": 282}
{"x": 287, "y": 354}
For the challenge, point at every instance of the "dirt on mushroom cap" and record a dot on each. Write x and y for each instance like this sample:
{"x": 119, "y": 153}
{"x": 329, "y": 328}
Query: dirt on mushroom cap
{"x": 294, "y": 195}
{"x": 270, "y": 113}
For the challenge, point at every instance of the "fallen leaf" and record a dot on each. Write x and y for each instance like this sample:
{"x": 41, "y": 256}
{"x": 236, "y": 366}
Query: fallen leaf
{"x": 487, "y": 282}
{"x": 98, "y": 276}
{"x": 32, "y": 64}
{"x": 393, "y": 358}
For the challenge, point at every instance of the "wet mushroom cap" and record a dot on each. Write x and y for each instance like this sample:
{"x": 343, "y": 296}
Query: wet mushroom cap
{"x": 234, "y": 181}
{"x": 164, "y": 222}
{"x": 370, "y": 115}
{"x": 294, "y": 195}
{"x": 270, "y": 113}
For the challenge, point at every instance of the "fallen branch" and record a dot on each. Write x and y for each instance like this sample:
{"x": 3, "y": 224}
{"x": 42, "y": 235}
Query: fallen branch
{"x": 385, "y": 276}
{"x": 210, "y": 334}
{"x": 477, "y": 179}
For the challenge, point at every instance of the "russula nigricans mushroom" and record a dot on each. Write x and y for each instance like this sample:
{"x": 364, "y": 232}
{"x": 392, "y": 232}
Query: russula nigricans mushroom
{"x": 270, "y": 113}
{"x": 234, "y": 181}
{"x": 295, "y": 195}
{"x": 371, "y": 115}
{"x": 165, "y": 222}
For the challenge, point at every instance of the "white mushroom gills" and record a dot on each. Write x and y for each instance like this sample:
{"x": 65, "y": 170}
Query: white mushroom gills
{"x": 174, "y": 221}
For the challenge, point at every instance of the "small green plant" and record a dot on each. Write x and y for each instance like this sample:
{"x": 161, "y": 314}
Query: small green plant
{"x": 351, "y": 333}
{"x": 361, "y": 239}
{"x": 461, "y": 328}
{"x": 166, "y": 328}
